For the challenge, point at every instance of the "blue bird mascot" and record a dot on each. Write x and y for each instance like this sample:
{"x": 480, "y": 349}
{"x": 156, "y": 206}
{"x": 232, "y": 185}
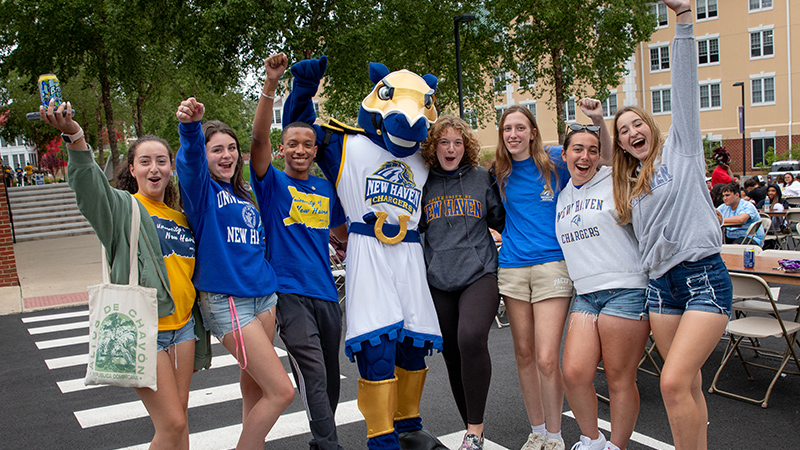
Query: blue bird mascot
{"x": 379, "y": 174}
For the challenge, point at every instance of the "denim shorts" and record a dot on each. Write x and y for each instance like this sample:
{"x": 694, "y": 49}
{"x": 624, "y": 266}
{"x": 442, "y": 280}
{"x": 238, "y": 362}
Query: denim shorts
{"x": 703, "y": 285}
{"x": 217, "y": 313}
{"x": 625, "y": 303}
{"x": 168, "y": 338}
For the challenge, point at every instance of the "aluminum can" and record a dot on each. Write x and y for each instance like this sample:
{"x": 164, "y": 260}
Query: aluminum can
{"x": 749, "y": 258}
{"x": 49, "y": 87}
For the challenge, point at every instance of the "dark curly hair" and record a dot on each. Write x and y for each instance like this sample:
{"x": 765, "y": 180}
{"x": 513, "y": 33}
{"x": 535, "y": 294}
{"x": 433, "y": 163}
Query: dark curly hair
{"x": 127, "y": 182}
{"x": 472, "y": 147}
{"x": 212, "y": 127}
{"x": 721, "y": 156}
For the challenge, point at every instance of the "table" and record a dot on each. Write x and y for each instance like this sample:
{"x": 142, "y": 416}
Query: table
{"x": 765, "y": 267}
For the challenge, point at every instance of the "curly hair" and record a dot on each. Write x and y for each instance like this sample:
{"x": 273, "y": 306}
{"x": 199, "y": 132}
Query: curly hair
{"x": 212, "y": 127}
{"x": 127, "y": 182}
{"x": 472, "y": 146}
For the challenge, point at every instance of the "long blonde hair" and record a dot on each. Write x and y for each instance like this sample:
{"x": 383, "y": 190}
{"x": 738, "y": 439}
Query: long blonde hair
{"x": 541, "y": 158}
{"x": 629, "y": 185}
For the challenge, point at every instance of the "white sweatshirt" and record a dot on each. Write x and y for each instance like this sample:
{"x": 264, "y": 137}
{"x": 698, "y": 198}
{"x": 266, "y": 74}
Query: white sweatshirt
{"x": 600, "y": 254}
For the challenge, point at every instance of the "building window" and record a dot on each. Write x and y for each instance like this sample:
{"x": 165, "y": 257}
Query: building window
{"x": 760, "y": 148}
{"x": 531, "y": 107}
{"x": 662, "y": 102}
{"x": 708, "y": 51}
{"x": 659, "y": 58}
{"x": 761, "y": 43}
{"x": 316, "y": 107}
{"x": 499, "y": 110}
{"x": 471, "y": 117}
{"x": 610, "y": 105}
{"x": 706, "y": 9}
{"x": 757, "y": 5}
{"x": 710, "y": 96}
{"x": 763, "y": 90}
{"x": 569, "y": 110}
{"x": 500, "y": 83}
{"x": 659, "y": 10}
{"x": 276, "y": 116}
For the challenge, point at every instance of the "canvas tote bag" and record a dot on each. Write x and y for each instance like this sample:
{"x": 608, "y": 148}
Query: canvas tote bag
{"x": 123, "y": 325}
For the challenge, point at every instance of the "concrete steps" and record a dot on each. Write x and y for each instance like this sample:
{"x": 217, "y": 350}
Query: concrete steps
{"x": 45, "y": 212}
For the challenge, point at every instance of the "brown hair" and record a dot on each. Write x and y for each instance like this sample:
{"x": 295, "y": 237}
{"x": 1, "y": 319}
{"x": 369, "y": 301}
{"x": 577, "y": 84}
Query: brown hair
{"x": 541, "y": 158}
{"x": 627, "y": 183}
{"x": 212, "y": 127}
{"x": 471, "y": 145}
{"x": 127, "y": 182}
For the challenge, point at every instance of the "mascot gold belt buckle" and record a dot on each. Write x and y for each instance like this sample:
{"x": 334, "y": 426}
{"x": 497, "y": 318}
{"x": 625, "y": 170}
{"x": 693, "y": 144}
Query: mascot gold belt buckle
{"x": 381, "y": 219}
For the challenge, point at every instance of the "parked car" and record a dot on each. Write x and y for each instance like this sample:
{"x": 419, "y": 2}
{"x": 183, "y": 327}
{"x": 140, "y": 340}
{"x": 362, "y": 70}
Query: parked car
{"x": 781, "y": 167}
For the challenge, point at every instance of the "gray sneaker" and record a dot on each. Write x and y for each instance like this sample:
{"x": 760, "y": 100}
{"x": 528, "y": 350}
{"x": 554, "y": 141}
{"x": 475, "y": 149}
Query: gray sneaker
{"x": 535, "y": 442}
{"x": 553, "y": 444}
{"x": 472, "y": 442}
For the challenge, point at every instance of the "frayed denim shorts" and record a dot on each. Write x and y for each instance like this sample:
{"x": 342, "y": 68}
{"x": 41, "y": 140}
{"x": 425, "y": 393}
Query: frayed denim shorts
{"x": 624, "y": 303}
{"x": 168, "y": 338}
{"x": 703, "y": 285}
{"x": 216, "y": 311}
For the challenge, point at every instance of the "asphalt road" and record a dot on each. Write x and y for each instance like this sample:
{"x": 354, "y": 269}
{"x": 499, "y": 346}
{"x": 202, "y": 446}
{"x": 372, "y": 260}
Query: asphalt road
{"x": 46, "y": 406}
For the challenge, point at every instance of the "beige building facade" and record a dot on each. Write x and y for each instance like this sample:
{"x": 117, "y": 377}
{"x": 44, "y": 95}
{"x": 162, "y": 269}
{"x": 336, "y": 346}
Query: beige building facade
{"x": 754, "y": 42}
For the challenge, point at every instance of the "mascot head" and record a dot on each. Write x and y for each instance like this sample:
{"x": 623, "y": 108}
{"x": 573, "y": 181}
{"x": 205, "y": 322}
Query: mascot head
{"x": 399, "y": 109}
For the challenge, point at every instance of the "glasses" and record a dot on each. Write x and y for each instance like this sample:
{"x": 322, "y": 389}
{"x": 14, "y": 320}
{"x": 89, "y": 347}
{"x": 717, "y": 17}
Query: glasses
{"x": 579, "y": 127}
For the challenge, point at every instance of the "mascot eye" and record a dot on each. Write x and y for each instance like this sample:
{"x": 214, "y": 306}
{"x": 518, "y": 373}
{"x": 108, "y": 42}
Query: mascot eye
{"x": 428, "y": 100}
{"x": 385, "y": 93}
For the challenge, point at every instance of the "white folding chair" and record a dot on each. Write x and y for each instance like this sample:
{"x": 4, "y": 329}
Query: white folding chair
{"x": 751, "y": 233}
{"x": 758, "y": 327}
{"x": 738, "y": 249}
{"x": 339, "y": 272}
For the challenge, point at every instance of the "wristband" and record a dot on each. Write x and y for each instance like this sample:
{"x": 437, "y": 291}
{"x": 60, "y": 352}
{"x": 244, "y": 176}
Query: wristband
{"x": 684, "y": 11}
{"x": 72, "y": 138}
{"x": 271, "y": 97}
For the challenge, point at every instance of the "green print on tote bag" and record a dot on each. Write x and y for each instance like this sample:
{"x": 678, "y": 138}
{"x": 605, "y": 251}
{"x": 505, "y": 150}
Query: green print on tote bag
{"x": 123, "y": 325}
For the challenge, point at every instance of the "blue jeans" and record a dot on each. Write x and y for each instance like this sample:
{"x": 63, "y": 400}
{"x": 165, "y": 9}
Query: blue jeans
{"x": 217, "y": 312}
{"x": 624, "y": 303}
{"x": 703, "y": 285}
{"x": 168, "y": 338}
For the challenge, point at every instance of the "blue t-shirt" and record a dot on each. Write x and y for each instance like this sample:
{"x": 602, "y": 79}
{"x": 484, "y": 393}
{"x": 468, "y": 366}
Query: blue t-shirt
{"x": 227, "y": 230}
{"x": 298, "y": 215}
{"x": 529, "y": 237}
{"x": 744, "y": 207}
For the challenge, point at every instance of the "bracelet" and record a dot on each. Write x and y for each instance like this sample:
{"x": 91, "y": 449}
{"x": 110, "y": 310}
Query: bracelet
{"x": 684, "y": 11}
{"x": 271, "y": 97}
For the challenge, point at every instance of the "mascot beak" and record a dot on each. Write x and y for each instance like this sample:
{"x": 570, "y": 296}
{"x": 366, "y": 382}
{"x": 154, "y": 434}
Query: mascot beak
{"x": 402, "y": 92}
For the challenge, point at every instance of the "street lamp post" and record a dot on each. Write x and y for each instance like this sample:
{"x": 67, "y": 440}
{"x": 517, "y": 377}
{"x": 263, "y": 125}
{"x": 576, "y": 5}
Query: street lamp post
{"x": 456, "y": 21}
{"x": 741, "y": 129}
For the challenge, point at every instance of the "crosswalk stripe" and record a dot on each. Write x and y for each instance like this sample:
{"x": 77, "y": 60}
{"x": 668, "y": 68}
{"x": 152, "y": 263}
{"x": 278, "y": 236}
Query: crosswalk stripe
{"x": 637, "y": 437}
{"x": 288, "y": 425}
{"x": 55, "y": 328}
{"x": 41, "y": 345}
{"x": 67, "y": 361}
{"x": 69, "y": 315}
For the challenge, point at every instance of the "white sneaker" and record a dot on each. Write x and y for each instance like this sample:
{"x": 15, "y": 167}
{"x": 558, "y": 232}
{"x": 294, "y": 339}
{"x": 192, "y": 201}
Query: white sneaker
{"x": 553, "y": 444}
{"x": 585, "y": 443}
{"x": 610, "y": 446}
{"x": 535, "y": 442}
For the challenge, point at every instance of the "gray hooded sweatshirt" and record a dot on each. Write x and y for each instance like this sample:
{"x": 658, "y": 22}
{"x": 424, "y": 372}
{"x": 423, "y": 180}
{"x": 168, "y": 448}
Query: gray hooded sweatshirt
{"x": 677, "y": 222}
{"x": 458, "y": 211}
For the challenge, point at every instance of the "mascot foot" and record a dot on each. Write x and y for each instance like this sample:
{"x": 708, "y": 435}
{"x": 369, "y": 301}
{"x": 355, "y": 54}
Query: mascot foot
{"x": 420, "y": 440}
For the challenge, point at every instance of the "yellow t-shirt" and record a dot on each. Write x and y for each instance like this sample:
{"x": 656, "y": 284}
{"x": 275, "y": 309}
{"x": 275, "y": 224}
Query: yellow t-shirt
{"x": 28, "y": 169}
{"x": 177, "y": 245}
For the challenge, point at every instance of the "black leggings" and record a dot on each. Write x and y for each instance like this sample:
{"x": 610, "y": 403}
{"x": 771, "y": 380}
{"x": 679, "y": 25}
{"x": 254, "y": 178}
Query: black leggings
{"x": 465, "y": 317}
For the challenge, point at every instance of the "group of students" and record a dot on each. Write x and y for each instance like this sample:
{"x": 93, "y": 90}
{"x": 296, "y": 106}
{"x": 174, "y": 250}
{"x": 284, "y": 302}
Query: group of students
{"x": 625, "y": 222}
{"x": 602, "y": 217}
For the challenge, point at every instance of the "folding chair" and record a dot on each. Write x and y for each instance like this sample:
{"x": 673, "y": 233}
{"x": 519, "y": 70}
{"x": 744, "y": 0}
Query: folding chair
{"x": 501, "y": 318}
{"x": 758, "y": 327}
{"x": 338, "y": 270}
{"x": 792, "y": 220}
{"x": 738, "y": 249}
{"x": 752, "y": 231}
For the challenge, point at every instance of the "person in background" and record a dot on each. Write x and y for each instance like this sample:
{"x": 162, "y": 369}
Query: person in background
{"x": 791, "y": 187}
{"x": 167, "y": 235}
{"x": 658, "y": 188}
{"x": 736, "y": 216}
{"x": 460, "y": 204}
{"x": 722, "y": 173}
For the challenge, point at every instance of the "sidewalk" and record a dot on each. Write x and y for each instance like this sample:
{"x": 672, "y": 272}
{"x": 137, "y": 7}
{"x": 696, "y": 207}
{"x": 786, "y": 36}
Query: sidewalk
{"x": 56, "y": 272}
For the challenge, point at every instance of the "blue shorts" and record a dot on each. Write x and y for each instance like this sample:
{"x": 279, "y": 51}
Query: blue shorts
{"x": 625, "y": 303}
{"x": 703, "y": 285}
{"x": 168, "y": 338}
{"x": 217, "y": 313}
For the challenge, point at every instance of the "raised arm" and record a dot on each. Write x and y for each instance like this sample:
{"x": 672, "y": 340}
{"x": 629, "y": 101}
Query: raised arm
{"x": 685, "y": 92}
{"x": 593, "y": 109}
{"x": 190, "y": 160}
{"x": 260, "y": 147}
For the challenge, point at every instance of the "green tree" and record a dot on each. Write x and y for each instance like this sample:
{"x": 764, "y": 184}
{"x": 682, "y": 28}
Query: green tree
{"x": 567, "y": 46}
